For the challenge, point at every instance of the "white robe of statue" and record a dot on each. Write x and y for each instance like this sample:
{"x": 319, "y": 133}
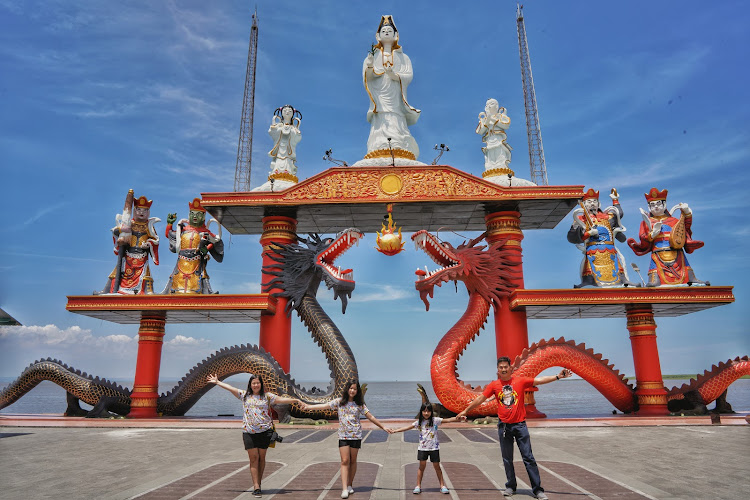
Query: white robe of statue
{"x": 493, "y": 123}
{"x": 387, "y": 72}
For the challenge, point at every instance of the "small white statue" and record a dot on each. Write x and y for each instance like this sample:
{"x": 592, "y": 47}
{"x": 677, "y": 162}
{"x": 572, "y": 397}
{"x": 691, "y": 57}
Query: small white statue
{"x": 387, "y": 72}
{"x": 493, "y": 122}
{"x": 284, "y": 131}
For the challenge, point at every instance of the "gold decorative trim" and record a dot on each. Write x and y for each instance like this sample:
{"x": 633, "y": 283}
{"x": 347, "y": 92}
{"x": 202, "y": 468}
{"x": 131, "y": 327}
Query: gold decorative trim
{"x": 386, "y": 153}
{"x": 652, "y": 399}
{"x": 141, "y": 402}
{"x": 283, "y": 176}
{"x": 650, "y": 385}
{"x": 504, "y": 225}
{"x": 497, "y": 171}
{"x": 391, "y": 184}
{"x": 145, "y": 388}
{"x": 146, "y": 338}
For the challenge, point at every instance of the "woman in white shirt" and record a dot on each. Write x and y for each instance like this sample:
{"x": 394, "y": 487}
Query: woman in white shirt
{"x": 351, "y": 407}
{"x": 257, "y": 424}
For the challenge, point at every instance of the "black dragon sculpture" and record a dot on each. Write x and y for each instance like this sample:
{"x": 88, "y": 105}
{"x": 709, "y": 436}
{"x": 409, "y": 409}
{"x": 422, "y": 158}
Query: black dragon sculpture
{"x": 299, "y": 274}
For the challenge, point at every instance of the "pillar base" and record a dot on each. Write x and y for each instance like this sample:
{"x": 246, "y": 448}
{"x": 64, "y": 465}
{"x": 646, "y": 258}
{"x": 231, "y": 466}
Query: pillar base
{"x": 143, "y": 405}
{"x": 530, "y": 404}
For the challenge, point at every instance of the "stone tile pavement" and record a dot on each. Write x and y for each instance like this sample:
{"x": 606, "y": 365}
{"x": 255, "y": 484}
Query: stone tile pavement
{"x": 607, "y": 462}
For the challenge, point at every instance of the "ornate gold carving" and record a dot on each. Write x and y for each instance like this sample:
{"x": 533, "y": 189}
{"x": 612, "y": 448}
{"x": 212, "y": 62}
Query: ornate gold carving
{"x": 391, "y": 184}
{"x": 364, "y": 185}
{"x": 497, "y": 171}
{"x": 652, "y": 399}
{"x": 141, "y": 402}
{"x": 386, "y": 153}
{"x": 504, "y": 225}
{"x": 283, "y": 176}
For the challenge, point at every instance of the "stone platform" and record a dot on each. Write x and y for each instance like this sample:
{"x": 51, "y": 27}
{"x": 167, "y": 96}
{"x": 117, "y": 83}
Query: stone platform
{"x": 587, "y": 458}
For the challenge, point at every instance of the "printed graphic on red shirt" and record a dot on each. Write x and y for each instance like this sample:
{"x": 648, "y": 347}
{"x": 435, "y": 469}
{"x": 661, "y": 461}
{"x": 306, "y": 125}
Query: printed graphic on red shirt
{"x": 509, "y": 395}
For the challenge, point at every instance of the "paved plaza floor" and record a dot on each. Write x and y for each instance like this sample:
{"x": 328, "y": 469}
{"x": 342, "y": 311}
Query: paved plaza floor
{"x": 179, "y": 461}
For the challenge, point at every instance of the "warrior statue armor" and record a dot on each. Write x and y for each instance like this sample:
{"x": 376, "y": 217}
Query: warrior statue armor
{"x": 594, "y": 232}
{"x": 194, "y": 245}
{"x": 135, "y": 240}
{"x": 667, "y": 238}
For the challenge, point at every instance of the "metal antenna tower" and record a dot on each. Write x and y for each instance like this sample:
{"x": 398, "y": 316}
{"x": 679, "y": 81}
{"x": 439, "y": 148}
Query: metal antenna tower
{"x": 534, "y": 131}
{"x": 245, "y": 143}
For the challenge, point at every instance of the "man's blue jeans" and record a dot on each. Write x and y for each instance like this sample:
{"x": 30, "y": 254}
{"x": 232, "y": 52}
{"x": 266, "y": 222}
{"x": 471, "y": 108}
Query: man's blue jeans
{"x": 520, "y": 433}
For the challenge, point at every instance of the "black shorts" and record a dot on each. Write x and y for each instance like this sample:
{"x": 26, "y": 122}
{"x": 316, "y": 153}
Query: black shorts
{"x": 433, "y": 455}
{"x": 353, "y": 443}
{"x": 260, "y": 440}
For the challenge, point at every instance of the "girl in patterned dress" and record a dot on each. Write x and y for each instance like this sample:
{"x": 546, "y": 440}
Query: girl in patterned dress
{"x": 351, "y": 407}
{"x": 257, "y": 424}
{"x": 429, "y": 447}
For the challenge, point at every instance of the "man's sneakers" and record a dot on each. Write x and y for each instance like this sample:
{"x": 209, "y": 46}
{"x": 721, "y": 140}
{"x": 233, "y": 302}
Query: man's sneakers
{"x": 541, "y": 496}
{"x": 417, "y": 490}
{"x": 444, "y": 490}
{"x": 350, "y": 490}
{"x": 509, "y": 492}
{"x": 257, "y": 493}
{"x": 345, "y": 494}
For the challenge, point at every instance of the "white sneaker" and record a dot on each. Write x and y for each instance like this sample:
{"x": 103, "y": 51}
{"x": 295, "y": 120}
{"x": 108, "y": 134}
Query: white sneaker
{"x": 345, "y": 494}
{"x": 350, "y": 490}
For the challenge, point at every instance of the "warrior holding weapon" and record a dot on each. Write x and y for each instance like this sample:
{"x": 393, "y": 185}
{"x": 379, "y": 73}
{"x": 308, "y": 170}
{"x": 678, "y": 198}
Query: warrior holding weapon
{"x": 134, "y": 240}
{"x": 594, "y": 233}
{"x": 194, "y": 245}
{"x": 667, "y": 238}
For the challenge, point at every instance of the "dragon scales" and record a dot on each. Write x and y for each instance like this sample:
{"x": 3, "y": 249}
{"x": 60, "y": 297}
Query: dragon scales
{"x": 302, "y": 270}
{"x": 488, "y": 275}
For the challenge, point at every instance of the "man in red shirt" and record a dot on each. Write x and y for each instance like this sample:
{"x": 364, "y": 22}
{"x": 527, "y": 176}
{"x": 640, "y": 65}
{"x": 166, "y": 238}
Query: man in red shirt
{"x": 509, "y": 391}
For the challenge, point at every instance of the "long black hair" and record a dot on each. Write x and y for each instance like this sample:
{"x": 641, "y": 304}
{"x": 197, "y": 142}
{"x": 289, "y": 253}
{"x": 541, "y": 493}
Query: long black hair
{"x": 250, "y": 389}
{"x": 425, "y": 406}
{"x": 359, "y": 398}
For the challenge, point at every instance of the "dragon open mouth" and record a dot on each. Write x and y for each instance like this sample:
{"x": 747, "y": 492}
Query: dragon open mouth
{"x": 340, "y": 244}
{"x": 442, "y": 254}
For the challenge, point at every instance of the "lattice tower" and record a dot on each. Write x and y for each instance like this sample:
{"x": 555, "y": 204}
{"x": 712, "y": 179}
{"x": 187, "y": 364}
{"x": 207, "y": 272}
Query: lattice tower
{"x": 533, "y": 129}
{"x": 245, "y": 142}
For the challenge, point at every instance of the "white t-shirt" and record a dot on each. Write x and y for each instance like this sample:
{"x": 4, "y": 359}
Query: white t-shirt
{"x": 256, "y": 416}
{"x": 428, "y": 435}
{"x": 349, "y": 415}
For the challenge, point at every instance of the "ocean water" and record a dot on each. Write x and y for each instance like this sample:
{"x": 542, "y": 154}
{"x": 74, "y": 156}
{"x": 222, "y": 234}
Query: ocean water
{"x": 567, "y": 398}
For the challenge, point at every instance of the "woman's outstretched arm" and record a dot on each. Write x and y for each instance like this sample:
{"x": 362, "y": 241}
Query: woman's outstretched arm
{"x": 213, "y": 379}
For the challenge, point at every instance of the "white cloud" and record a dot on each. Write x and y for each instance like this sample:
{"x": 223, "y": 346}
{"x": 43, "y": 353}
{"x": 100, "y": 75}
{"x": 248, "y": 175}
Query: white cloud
{"x": 75, "y": 336}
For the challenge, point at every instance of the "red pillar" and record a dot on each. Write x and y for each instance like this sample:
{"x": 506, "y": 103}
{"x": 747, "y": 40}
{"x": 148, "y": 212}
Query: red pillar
{"x": 511, "y": 330}
{"x": 652, "y": 396}
{"x": 276, "y": 329}
{"x": 146, "y": 384}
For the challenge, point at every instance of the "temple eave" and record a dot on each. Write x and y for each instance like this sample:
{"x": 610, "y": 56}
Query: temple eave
{"x": 613, "y": 302}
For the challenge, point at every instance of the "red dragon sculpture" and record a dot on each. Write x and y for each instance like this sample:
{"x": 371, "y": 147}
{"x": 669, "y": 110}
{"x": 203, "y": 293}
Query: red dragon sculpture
{"x": 488, "y": 273}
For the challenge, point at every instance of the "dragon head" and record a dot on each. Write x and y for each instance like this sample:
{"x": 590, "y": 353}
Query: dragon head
{"x": 303, "y": 268}
{"x": 491, "y": 273}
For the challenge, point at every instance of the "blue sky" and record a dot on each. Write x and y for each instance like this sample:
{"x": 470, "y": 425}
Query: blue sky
{"x": 99, "y": 97}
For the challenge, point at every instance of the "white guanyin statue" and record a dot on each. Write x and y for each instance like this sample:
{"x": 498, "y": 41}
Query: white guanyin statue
{"x": 284, "y": 131}
{"x": 493, "y": 123}
{"x": 387, "y": 72}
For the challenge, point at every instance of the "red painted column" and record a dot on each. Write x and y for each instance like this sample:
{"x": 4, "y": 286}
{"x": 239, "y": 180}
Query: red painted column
{"x": 276, "y": 329}
{"x": 511, "y": 329}
{"x": 146, "y": 384}
{"x": 652, "y": 396}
